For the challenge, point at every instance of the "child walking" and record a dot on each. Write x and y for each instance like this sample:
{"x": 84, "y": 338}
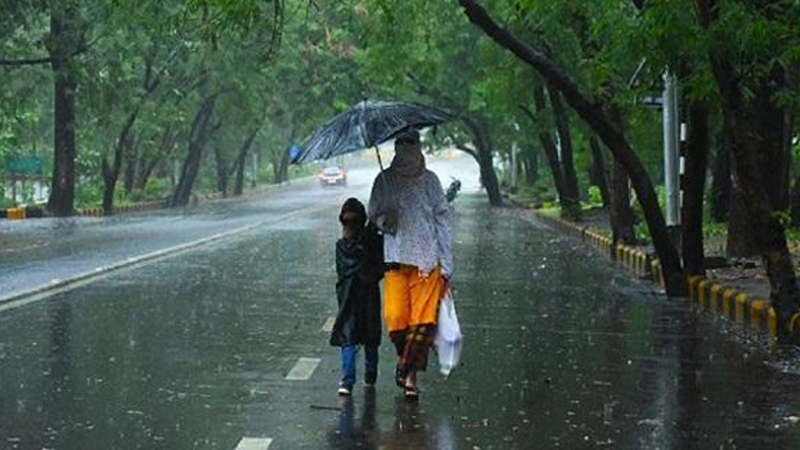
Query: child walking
{"x": 359, "y": 267}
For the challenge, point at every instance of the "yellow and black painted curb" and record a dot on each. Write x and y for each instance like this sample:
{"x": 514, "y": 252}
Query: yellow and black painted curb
{"x": 144, "y": 206}
{"x": 15, "y": 213}
{"x": 752, "y": 313}
{"x": 21, "y": 213}
{"x": 29, "y": 213}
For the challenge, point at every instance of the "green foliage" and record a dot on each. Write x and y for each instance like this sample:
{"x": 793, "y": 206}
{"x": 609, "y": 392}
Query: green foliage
{"x": 283, "y": 67}
{"x": 711, "y": 228}
{"x": 595, "y": 198}
{"x": 88, "y": 195}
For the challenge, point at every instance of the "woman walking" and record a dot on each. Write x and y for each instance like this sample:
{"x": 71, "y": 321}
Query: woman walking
{"x": 409, "y": 205}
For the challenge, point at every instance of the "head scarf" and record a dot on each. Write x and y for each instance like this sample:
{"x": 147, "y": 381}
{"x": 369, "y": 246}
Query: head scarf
{"x": 408, "y": 160}
{"x": 352, "y": 230}
{"x": 353, "y": 205}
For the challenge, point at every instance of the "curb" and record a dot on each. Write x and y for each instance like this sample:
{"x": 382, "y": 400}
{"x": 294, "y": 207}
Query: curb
{"x": 15, "y": 213}
{"x": 754, "y": 314}
{"x": 144, "y": 206}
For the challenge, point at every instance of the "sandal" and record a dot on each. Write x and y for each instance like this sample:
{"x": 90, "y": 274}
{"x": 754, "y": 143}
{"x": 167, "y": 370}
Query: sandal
{"x": 411, "y": 393}
{"x": 400, "y": 377}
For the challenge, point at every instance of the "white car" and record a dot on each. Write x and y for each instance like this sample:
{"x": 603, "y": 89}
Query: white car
{"x": 333, "y": 175}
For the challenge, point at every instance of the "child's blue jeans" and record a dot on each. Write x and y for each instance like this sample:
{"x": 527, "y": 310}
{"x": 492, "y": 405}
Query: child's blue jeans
{"x": 349, "y": 353}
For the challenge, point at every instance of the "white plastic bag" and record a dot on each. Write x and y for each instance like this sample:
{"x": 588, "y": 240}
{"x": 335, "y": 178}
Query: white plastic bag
{"x": 448, "y": 335}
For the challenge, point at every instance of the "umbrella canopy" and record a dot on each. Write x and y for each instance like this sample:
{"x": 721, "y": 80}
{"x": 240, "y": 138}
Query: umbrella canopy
{"x": 368, "y": 124}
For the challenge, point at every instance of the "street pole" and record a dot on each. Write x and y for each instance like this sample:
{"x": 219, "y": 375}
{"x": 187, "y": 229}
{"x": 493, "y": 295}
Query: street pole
{"x": 255, "y": 168}
{"x": 176, "y": 172}
{"x": 671, "y": 155}
{"x": 514, "y": 169}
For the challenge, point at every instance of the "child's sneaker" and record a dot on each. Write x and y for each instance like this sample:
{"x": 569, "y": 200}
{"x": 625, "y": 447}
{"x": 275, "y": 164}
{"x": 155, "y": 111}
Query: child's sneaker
{"x": 345, "y": 390}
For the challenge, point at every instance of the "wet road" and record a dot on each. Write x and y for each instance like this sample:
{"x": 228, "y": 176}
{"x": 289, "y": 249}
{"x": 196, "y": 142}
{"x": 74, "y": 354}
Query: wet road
{"x": 193, "y": 352}
{"x": 38, "y": 251}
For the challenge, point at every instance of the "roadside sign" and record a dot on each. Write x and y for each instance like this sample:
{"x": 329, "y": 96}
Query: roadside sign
{"x": 24, "y": 165}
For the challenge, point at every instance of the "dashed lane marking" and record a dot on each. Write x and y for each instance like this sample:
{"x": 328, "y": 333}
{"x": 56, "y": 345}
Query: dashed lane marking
{"x": 254, "y": 444}
{"x": 303, "y": 369}
{"x": 328, "y": 327}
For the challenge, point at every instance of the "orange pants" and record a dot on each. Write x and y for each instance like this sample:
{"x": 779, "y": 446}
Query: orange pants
{"x": 409, "y": 298}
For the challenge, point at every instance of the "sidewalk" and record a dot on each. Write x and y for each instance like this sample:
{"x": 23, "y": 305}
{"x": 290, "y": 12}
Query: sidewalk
{"x": 727, "y": 293}
{"x": 744, "y": 273}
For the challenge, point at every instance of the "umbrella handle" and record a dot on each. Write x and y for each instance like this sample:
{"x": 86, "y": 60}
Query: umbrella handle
{"x": 378, "y": 153}
{"x": 380, "y": 163}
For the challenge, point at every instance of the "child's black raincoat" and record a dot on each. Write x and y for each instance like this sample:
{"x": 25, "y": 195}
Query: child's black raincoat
{"x": 359, "y": 266}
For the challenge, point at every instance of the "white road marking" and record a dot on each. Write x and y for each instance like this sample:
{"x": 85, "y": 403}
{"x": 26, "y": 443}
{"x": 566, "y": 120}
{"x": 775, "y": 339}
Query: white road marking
{"x": 329, "y": 324}
{"x": 254, "y": 444}
{"x": 303, "y": 369}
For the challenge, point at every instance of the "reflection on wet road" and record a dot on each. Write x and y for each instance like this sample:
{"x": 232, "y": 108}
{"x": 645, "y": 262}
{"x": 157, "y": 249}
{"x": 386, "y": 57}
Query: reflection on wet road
{"x": 561, "y": 351}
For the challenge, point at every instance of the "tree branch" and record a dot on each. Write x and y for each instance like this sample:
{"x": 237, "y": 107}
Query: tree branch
{"x": 435, "y": 94}
{"x": 527, "y": 112}
{"x": 467, "y": 150}
{"x": 594, "y": 115}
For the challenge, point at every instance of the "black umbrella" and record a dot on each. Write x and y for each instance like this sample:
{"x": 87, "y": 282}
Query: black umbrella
{"x": 368, "y": 124}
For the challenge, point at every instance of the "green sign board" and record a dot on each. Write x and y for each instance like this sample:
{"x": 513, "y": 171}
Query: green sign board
{"x": 25, "y": 165}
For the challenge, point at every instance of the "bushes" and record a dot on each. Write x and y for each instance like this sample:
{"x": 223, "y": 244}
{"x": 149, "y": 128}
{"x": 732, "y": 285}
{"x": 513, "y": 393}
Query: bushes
{"x": 88, "y": 195}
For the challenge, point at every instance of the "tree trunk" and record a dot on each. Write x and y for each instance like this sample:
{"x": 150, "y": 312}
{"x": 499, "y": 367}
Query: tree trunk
{"x": 694, "y": 185}
{"x": 758, "y": 126}
{"x": 531, "y": 162}
{"x": 283, "y": 169}
{"x": 548, "y": 144}
{"x": 488, "y": 176}
{"x": 613, "y": 138}
{"x": 740, "y": 242}
{"x": 571, "y": 203}
{"x": 63, "y": 39}
{"x": 143, "y": 168}
{"x": 238, "y": 188}
{"x": 111, "y": 171}
{"x": 721, "y": 185}
{"x": 795, "y": 202}
{"x": 241, "y": 161}
{"x": 484, "y": 156}
{"x": 768, "y": 128}
{"x": 222, "y": 171}
{"x": 621, "y": 213}
{"x": 275, "y": 164}
{"x": 189, "y": 170}
{"x": 199, "y": 135}
{"x": 598, "y": 171}
{"x": 131, "y": 159}
{"x": 169, "y": 138}
{"x": 147, "y": 170}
